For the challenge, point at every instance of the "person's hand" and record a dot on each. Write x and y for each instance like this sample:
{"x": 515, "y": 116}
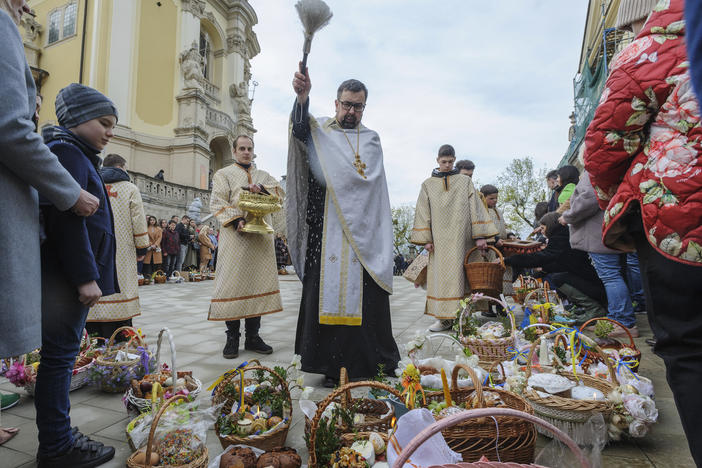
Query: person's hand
{"x": 481, "y": 244}
{"x": 86, "y": 205}
{"x": 302, "y": 85}
{"x": 429, "y": 247}
{"x": 240, "y": 225}
{"x": 89, "y": 293}
{"x": 562, "y": 221}
{"x": 254, "y": 188}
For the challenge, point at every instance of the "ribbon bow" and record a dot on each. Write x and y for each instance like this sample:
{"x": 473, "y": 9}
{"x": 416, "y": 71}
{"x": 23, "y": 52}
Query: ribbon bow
{"x": 627, "y": 364}
{"x": 515, "y": 353}
{"x": 411, "y": 382}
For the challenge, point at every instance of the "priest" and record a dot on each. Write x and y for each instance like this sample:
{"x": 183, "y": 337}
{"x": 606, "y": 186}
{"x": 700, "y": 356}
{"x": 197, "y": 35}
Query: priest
{"x": 449, "y": 220}
{"x": 246, "y": 285}
{"x": 340, "y": 237}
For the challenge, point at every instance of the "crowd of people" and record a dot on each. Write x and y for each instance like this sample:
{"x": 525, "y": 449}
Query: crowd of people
{"x": 622, "y": 236}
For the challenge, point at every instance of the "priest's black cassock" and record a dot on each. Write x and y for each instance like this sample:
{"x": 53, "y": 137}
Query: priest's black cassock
{"x": 325, "y": 348}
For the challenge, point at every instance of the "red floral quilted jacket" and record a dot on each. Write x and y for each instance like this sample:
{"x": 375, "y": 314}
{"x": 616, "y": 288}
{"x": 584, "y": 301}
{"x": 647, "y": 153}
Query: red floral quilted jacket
{"x": 643, "y": 145}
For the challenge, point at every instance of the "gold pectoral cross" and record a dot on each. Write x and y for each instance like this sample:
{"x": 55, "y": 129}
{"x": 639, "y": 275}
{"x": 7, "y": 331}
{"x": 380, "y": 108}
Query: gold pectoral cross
{"x": 359, "y": 165}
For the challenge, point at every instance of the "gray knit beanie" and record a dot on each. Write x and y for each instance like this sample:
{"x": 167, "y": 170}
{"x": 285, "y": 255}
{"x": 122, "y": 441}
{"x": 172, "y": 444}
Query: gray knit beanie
{"x": 77, "y": 103}
{"x": 631, "y": 11}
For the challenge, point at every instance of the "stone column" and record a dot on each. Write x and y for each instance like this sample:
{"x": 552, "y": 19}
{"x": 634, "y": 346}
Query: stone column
{"x": 120, "y": 74}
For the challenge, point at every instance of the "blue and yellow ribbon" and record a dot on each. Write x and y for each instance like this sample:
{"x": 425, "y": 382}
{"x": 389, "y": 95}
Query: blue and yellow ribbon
{"x": 219, "y": 380}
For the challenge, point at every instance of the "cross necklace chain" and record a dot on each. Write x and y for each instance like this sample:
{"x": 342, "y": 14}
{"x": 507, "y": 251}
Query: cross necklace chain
{"x": 357, "y": 162}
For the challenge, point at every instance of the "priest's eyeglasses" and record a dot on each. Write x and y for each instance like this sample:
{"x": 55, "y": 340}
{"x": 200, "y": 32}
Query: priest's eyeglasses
{"x": 357, "y": 106}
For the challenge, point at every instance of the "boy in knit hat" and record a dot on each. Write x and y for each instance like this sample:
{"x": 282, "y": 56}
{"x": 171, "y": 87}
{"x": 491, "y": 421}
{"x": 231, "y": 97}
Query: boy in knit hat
{"x": 78, "y": 266}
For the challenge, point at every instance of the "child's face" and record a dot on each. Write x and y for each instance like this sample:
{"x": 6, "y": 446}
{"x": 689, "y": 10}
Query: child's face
{"x": 97, "y": 132}
{"x": 560, "y": 182}
{"x": 491, "y": 200}
{"x": 445, "y": 163}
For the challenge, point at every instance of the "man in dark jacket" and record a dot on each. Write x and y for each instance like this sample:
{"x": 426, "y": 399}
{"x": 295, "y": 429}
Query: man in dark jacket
{"x": 184, "y": 238}
{"x": 78, "y": 267}
{"x": 552, "y": 182}
{"x": 569, "y": 270}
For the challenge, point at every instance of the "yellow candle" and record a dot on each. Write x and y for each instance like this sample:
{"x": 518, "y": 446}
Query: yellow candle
{"x": 447, "y": 394}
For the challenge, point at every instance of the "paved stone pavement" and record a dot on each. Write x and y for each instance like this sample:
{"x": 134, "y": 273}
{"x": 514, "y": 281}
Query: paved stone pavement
{"x": 183, "y": 308}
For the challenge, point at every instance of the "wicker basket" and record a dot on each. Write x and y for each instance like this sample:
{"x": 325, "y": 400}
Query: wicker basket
{"x": 528, "y": 284}
{"x": 377, "y": 416}
{"x": 200, "y": 462}
{"x": 107, "y": 360}
{"x": 136, "y": 405}
{"x": 488, "y": 351}
{"x": 335, "y": 396}
{"x": 513, "y": 442}
{"x": 79, "y": 378}
{"x": 568, "y": 414}
{"x": 485, "y": 277}
{"x": 447, "y": 423}
{"x": 159, "y": 277}
{"x": 635, "y": 359}
{"x": 265, "y": 441}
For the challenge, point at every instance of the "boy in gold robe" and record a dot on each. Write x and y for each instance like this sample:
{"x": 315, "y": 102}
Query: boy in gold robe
{"x": 450, "y": 219}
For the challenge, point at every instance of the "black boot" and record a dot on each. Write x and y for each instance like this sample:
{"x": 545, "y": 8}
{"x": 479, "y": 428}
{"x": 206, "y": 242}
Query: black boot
{"x": 231, "y": 348}
{"x": 256, "y": 344}
{"x": 85, "y": 453}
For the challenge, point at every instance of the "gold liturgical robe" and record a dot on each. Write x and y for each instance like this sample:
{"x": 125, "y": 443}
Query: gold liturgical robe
{"x": 450, "y": 215}
{"x": 246, "y": 284}
{"x": 130, "y": 234}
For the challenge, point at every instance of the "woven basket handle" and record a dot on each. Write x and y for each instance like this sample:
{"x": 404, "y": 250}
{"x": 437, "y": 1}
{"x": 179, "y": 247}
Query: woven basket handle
{"x": 343, "y": 380}
{"x": 475, "y": 298}
{"x": 137, "y": 337}
{"x": 174, "y": 371}
{"x": 619, "y": 324}
{"x": 589, "y": 341}
{"x": 327, "y": 401}
{"x": 477, "y": 384}
{"x": 154, "y": 424}
{"x": 499, "y": 255}
{"x": 445, "y": 423}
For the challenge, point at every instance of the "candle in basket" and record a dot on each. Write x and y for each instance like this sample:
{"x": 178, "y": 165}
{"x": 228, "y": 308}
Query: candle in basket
{"x": 543, "y": 353}
{"x": 447, "y": 393}
{"x": 583, "y": 392}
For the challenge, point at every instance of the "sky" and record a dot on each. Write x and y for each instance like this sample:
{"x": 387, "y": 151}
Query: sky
{"x": 493, "y": 79}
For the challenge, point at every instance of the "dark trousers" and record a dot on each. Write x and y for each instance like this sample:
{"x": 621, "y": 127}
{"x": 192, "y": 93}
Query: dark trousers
{"x": 62, "y": 323}
{"x": 106, "y": 329}
{"x": 674, "y": 304}
{"x": 251, "y": 326}
{"x": 151, "y": 268}
{"x": 171, "y": 264}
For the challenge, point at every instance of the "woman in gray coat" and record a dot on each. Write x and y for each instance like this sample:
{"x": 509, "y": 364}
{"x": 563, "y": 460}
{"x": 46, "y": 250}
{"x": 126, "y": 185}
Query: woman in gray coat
{"x": 585, "y": 220}
{"x": 26, "y": 165}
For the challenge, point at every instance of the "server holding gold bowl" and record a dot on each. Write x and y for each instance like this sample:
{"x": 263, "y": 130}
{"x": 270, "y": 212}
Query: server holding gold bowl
{"x": 246, "y": 285}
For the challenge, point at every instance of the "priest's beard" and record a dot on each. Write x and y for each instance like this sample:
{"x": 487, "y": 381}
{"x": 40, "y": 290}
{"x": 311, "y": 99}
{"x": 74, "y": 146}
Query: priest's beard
{"x": 349, "y": 121}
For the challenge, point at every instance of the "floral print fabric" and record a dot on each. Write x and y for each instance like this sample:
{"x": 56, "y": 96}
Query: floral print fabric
{"x": 644, "y": 142}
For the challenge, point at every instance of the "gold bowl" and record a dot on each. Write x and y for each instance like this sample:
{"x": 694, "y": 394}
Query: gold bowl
{"x": 256, "y": 206}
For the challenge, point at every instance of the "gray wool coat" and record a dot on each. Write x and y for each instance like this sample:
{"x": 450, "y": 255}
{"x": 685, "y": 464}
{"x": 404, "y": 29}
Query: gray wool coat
{"x": 26, "y": 165}
{"x": 585, "y": 218}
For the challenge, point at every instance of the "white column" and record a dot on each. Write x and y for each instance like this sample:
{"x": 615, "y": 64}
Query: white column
{"x": 120, "y": 74}
{"x": 94, "y": 43}
{"x": 189, "y": 30}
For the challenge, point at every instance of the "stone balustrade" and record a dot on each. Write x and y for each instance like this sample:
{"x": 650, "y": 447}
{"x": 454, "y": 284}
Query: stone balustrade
{"x": 164, "y": 199}
{"x": 219, "y": 119}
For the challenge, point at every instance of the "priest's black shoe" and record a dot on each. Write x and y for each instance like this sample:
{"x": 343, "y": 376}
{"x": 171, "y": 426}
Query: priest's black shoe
{"x": 85, "y": 453}
{"x": 257, "y": 345}
{"x": 231, "y": 348}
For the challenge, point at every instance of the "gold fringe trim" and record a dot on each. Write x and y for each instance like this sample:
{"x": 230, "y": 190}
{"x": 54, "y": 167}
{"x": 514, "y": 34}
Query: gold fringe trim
{"x": 241, "y": 298}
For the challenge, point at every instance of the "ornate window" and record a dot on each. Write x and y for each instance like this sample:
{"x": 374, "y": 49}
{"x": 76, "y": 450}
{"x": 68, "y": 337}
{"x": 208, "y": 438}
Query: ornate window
{"x": 206, "y": 54}
{"x": 62, "y": 22}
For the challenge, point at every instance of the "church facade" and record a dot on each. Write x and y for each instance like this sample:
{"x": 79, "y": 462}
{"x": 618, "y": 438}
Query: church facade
{"x": 177, "y": 70}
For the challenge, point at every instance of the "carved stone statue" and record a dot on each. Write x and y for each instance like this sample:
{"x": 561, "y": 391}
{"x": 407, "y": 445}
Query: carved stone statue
{"x": 196, "y": 7}
{"x": 571, "y": 130}
{"x": 240, "y": 94}
{"x": 32, "y": 28}
{"x": 191, "y": 67}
